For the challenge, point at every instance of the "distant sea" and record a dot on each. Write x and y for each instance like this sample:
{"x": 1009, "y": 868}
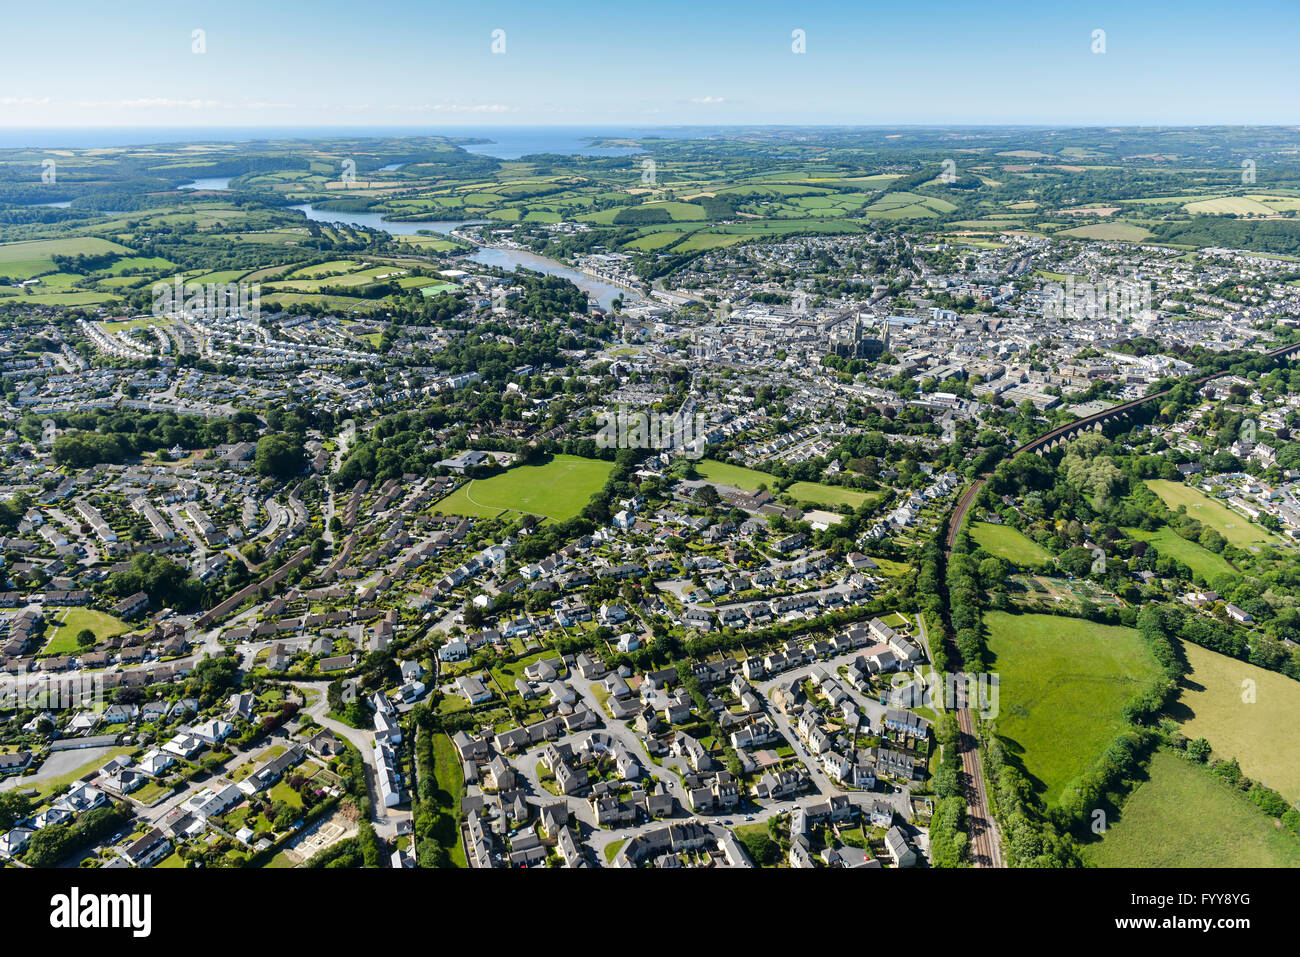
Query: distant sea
{"x": 507, "y": 142}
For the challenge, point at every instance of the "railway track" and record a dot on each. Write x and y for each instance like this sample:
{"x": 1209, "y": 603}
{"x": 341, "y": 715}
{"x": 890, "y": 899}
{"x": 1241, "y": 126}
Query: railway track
{"x": 986, "y": 842}
{"x": 1061, "y": 431}
{"x": 959, "y": 513}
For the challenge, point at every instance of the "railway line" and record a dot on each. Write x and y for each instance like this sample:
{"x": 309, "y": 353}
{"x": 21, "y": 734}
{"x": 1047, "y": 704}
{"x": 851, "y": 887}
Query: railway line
{"x": 986, "y": 843}
{"x": 986, "y": 840}
{"x": 1070, "y": 428}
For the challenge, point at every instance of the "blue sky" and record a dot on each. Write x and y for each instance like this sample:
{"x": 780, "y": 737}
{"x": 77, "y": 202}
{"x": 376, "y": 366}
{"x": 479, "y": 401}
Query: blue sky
{"x": 403, "y": 63}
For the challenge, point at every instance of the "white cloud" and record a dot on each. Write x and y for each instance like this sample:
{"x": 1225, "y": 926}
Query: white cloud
{"x": 708, "y": 99}
{"x": 157, "y": 102}
{"x": 450, "y": 108}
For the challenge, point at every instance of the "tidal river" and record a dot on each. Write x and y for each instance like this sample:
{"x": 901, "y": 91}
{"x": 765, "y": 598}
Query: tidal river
{"x": 501, "y": 257}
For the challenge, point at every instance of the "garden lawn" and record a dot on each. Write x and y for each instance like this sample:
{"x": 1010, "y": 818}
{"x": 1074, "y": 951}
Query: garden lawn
{"x": 1063, "y": 685}
{"x": 890, "y": 569}
{"x": 282, "y": 792}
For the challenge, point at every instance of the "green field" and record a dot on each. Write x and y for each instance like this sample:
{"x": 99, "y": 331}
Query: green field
{"x": 891, "y": 569}
{"x": 27, "y": 259}
{"x": 805, "y": 493}
{"x": 908, "y": 206}
{"x": 70, "y": 298}
{"x": 126, "y": 325}
{"x": 1009, "y": 543}
{"x": 1114, "y": 232}
{"x": 676, "y": 211}
{"x": 737, "y": 476}
{"x": 1200, "y": 560}
{"x": 451, "y": 781}
{"x": 815, "y": 493}
{"x": 1230, "y": 206}
{"x": 1260, "y": 734}
{"x": 1181, "y": 817}
{"x": 557, "y": 490}
{"x": 72, "y": 621}
{"x": 1237, "y": 529}
{"x": 1063, "y": 684}
{"x": 432, "y": 243}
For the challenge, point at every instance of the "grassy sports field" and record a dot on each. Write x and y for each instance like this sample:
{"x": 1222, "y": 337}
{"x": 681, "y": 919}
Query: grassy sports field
{"x": 737, "y": 476}
{"x": 1009, "y": 543}
{"x": 1181, "y": 817}
{"x": 815, "y": 493}
{"x": 557, "y": 490}
{"x": 1237, "y": 529}
{"x": 1260, "y": 734}
{"x": 71, "y": 621}
{"x": 1063, "y": 684}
